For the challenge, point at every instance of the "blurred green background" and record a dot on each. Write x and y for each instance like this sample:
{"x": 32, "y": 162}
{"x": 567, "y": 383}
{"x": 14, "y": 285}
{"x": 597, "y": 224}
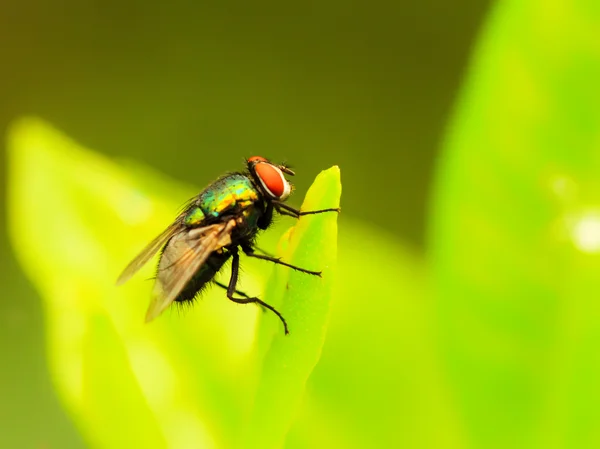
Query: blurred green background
{"x": 193, "y": 87}
{"x": 467, "y": 136}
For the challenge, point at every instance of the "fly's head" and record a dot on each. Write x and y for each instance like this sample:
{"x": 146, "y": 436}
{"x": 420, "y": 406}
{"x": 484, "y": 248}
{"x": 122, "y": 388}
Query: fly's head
{"x": 270, "y": 178}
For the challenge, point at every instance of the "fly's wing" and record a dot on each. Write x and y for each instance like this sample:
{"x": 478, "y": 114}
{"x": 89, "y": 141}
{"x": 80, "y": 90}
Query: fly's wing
{"x": 182, "y": 259}
{"x": 153, "y": 247}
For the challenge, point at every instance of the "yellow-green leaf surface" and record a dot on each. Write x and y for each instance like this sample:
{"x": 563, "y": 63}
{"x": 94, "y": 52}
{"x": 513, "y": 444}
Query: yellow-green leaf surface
{"x": 378, "y": 382}
{"x": 516, "y": 231}
{"x": 289, "y": 360}
{"x": 75, "y": 220}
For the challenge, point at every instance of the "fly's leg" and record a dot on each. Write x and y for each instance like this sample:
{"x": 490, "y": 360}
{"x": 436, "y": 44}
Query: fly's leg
{"x": 238, "y": 292}
{"x": 284, "y": 209}
{"x": 249, "y": 251}
{"x": 235, "y": 265}
{"x": 225, "y": 287}
{"x": 266, "y": 253}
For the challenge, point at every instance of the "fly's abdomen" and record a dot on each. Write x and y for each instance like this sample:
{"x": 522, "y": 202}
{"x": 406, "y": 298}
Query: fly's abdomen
{"x": 202, "y": 278}
{"x": 175, "y": 259}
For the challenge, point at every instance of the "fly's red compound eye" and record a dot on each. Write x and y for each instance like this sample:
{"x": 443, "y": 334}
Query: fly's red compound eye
{"x": 272, "y": 179}
{"x": 257, "y": 159}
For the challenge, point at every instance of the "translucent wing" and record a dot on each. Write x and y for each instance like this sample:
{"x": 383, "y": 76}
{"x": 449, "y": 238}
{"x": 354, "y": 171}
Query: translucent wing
{"x": 182, "y": 259}
{"x": 153, "y": 247}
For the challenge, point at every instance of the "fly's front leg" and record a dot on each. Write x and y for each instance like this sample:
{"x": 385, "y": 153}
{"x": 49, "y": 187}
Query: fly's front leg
{"x": 284, "y": 209}
{"x": 235, "y": 266}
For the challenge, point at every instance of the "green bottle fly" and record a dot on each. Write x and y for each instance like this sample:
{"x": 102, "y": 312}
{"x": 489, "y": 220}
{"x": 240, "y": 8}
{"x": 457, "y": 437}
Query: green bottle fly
{"x": 223, "y": 218}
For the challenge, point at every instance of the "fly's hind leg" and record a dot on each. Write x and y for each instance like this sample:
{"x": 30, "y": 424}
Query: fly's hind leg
{"x": 235, "y": 265}
{"x": 237, "y": 292}
{"x": 225, "y": 287}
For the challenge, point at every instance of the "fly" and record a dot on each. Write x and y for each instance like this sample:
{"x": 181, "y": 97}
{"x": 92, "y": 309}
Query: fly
{"x": 222, "y": 219}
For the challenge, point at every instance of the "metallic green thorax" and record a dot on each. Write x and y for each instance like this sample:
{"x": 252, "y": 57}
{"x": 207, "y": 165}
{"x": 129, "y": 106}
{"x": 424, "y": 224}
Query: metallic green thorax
{"x": 234, "y": 192}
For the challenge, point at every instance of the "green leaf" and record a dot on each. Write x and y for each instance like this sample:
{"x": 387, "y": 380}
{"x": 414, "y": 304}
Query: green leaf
{"x": 378, "y": 382}
{"x": 305, "y": 300}
{"x": 516, "y": 231}
{"x": 106, "y": 373}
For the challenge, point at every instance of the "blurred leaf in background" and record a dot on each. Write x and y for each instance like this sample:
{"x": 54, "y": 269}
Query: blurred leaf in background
{"x": 516, "y": 231}
{"x": 189, "y": 381}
